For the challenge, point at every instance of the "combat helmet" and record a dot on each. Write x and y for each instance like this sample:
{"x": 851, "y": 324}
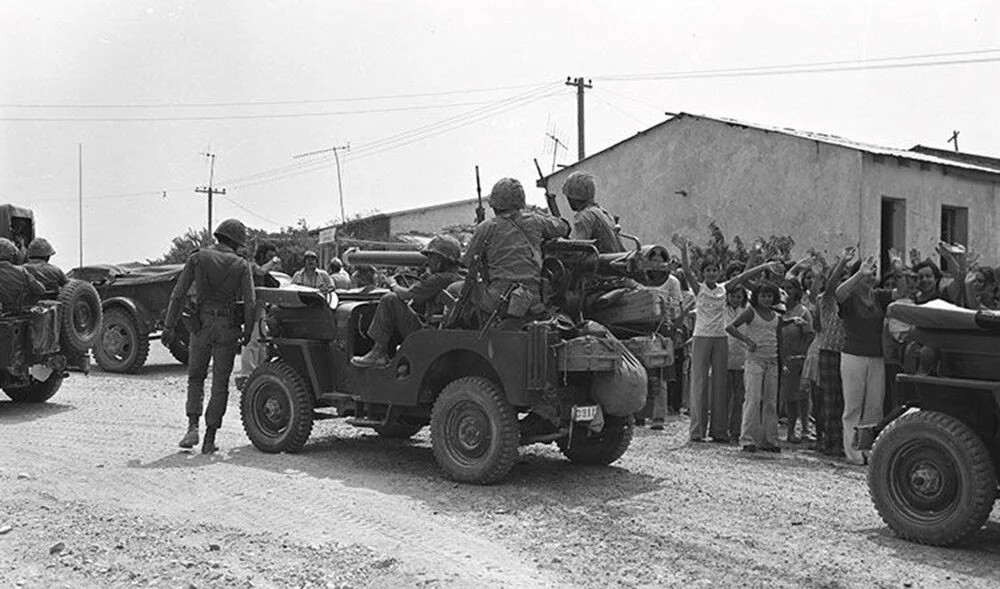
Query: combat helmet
{"x": 507, "y": 194}
{"x": 233, "y": 230}
{"x": 40, "y": 248}
{"x": 579, "y": 186}
{"x": 8, "y": 251}
{"x": 445, "y": 246}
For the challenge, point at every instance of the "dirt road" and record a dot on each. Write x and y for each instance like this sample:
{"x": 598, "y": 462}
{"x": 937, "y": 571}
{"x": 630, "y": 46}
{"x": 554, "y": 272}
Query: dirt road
{"x": 95, "y": 493}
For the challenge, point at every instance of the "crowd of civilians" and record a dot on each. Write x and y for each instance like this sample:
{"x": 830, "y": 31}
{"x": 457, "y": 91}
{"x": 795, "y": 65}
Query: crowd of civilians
{"x": 808, "y": 346}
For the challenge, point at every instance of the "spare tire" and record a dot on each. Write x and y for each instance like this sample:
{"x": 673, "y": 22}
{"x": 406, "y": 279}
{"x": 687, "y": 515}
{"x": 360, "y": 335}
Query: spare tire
{"x": 82, "y": 315}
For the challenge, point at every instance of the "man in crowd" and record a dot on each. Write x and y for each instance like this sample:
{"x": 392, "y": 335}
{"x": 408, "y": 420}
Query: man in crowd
{"x": 341, "y": 279}
{"x": 507, "y": 250}
{"x": 221, "y": 278}
{"x": 591, "y": 221}
{"x": 15, "y": 281}
{"x": 39, "y": 251}
{"x": 394, "y": 319}
{"x": 312, "y": 276}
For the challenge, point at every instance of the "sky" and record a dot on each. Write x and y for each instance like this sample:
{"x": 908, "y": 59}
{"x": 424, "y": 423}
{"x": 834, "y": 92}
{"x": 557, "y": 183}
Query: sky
{"x": 422, "y": 92}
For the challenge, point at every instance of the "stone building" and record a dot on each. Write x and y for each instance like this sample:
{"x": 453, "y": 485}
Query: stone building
{"x": 823, "y": 191}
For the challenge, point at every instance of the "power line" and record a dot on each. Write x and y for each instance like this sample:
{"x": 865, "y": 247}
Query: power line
{"x": 277, "y": 102}
{"x": 786, "y": 70}
{"x": 238, "y": 117}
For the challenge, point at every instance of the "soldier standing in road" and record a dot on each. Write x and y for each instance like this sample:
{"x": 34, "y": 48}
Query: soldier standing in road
{"x": 221, "y": 278}
{"x": 507, "y": 250}
{"x": 394, "y": 320}
{"x": 38, "y": 253}
{"x": 591, "y": 221}
{"x": 15, "y": 281}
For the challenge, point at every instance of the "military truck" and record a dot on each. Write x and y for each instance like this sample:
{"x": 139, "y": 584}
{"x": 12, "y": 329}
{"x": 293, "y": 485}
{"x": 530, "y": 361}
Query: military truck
{"x": 483, "y": 391}
{"x": 134, "y": 298}
{"x": 37, "y": 339}
{"x": 933, "y": 466}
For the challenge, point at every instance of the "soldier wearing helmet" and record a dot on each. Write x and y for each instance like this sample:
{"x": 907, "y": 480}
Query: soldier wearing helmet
{"x": 591, "y": 222}
{"x": 399, "y": 311}
{"x": 38, "y": 254}
{"x": 15, "y": 282}
{"x": 221, "y": 278}
{"x": 506, "y": 251}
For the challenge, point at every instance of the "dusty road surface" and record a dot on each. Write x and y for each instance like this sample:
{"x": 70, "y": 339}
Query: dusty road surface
{"x": 95, "y": 493}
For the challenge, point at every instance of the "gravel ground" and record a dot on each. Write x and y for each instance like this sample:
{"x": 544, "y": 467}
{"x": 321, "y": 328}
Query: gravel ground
{"x": 96, "y": 494}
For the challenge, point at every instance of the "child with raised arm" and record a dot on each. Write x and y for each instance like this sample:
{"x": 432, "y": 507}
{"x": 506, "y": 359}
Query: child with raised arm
{"x": 709, "y": 346}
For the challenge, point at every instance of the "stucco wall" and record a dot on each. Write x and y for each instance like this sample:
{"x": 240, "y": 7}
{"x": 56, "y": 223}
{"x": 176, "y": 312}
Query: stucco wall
{"x": 754, "y": 183}
{"x": 925, "y": 191}
{"x": 432, "y": 220}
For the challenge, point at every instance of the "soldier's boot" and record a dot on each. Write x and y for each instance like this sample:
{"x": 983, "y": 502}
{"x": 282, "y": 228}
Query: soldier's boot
{"x": 190, "y": 439}
{"x": 377, "y": 357}
{"x": 208, "y": 446}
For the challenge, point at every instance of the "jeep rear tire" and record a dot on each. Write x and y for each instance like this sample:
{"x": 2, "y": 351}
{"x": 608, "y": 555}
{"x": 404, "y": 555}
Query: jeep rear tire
{"x": 81, "y": 316}
{"x": 36, "y": 392}
{"x": 180, "y": 348}
{"x": 277, "y": 408}
{"x": 931, "y": 478}
{"x": 604, "y": 448}
{"x": 474, "y": 431}
{"x": 123, "y": 346}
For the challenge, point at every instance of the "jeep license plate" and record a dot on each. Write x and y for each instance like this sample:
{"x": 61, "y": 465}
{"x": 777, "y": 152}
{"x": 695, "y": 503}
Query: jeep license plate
{"x": 585, "y": 413}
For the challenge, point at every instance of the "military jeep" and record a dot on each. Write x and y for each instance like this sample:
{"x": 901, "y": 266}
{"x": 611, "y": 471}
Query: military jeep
{"x": 484, "y": 392}
{"x": 37, "y": 339}
{"x": 933, "y": 472}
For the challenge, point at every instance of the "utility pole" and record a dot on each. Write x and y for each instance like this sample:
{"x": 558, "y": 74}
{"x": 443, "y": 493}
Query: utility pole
{"x": 210, "y": 190}
{"x": 580, "y": 86}
{"x": 79, "y": 147}
{"x": 954, "y": 139}
{"x": 336, "y": 149}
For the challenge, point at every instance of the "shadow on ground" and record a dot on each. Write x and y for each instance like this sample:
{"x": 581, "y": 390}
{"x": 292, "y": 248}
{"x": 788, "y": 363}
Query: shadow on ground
{"x": 11, "y": 412}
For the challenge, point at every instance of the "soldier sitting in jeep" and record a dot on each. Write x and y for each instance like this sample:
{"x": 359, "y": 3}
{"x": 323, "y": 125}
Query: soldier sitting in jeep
{"x": 15, "y": 281}
{"x": 394, "y": 320}
{"x": 51, "y": 276}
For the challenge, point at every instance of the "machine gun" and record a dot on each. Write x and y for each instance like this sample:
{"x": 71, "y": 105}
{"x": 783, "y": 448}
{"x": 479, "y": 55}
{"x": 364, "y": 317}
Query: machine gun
{"x": 480, "y": 211}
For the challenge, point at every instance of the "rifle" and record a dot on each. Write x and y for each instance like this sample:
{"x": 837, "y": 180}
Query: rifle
{"x": 550, "y": 198}
{"x": 480, "y": 211}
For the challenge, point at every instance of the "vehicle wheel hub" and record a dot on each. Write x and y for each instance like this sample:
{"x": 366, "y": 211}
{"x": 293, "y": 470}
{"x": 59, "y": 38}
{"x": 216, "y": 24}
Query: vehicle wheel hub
{"x": 925, "y": 479}
{"x": 114, "y": 340}
{"x": 272, "y": 410}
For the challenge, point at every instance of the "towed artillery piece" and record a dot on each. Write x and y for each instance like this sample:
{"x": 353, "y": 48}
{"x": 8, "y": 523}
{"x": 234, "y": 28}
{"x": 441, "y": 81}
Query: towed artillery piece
{"x": 484, "y": 391}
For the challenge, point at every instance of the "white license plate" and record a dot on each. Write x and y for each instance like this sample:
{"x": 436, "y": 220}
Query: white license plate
{"x": 585, "y": 413}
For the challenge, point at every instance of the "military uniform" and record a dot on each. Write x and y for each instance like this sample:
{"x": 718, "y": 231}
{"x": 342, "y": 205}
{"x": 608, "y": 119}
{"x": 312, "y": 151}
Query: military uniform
{"x": 593, "y": 222}
{"x": 394, "y": 319}
{"x": 509, "y": 247}
{"x": 221, "y": 278}
{"x": 51, "y": 276}
{"x": 15, "y": 283}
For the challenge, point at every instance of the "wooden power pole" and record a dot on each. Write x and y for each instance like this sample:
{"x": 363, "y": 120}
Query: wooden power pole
{"x": 210, "y": 190}
{"x": 580, "y": 86}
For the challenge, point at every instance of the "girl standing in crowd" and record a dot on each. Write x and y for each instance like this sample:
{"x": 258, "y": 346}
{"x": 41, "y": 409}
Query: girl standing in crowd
{"x": 709, "y": 354}
{"x": 862, "y": 308}
{"x": 795, "y": 337}
{"x": 760, "y": 411}
{"x": 736, "y": 303}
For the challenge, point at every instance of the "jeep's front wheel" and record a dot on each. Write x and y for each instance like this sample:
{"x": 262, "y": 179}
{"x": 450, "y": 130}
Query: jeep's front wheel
{"x": 37, "y": 391}
{"x": 931, "y": 478}
{"x": 586, "y": 447}
{"x": 123, "y": 346}
{"x": 277, "y": 408}
{"x": 474, "y": 431}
